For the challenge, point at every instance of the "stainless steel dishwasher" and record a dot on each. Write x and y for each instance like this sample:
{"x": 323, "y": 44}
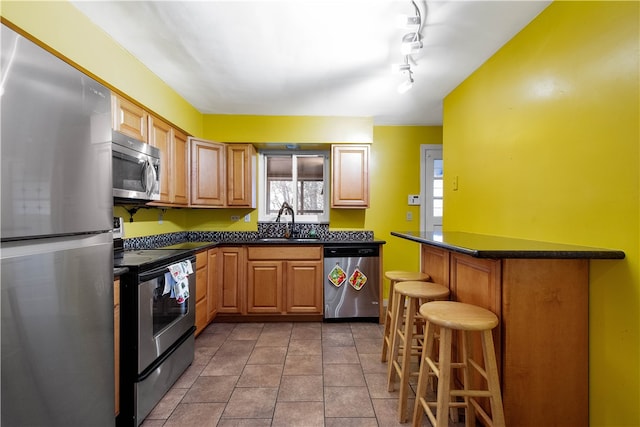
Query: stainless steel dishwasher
{"x": 352, "y": 281}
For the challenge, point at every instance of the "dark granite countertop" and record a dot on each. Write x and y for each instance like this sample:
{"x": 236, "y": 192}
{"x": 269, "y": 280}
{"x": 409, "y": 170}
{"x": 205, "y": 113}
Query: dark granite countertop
{"x": 119, "y": 271}
{"x": 198, "y": 246}
{"x": 485, "y": 246}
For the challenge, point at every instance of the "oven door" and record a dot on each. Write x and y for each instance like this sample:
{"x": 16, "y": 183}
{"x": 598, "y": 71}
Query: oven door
{"x": 161, "y": 320}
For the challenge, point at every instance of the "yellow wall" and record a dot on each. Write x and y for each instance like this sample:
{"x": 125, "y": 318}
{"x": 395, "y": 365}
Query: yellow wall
{"x": 544, "y": 141}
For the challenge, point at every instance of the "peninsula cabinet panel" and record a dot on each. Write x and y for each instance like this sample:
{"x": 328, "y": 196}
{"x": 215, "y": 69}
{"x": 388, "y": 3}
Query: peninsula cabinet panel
{"x": 303, "y": 285}
{"x": 129, "y": 118}
{"x": 241, "y": 175}
{"x": 545, "y": 318}
{"x": 350, "y": 176}
{"x": 542, "y": 340}
{"x": 231, "y": 286}
{"x": 207, "y": 173}
{"x": 264, "y": 287}
{"x": 435, "y": 262}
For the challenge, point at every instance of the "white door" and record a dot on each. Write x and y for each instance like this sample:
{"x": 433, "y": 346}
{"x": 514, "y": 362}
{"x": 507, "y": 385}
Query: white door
{"x": 431, "y": 187}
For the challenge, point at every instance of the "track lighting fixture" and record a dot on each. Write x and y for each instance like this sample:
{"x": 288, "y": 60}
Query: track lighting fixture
{"x": 410, "y": 45}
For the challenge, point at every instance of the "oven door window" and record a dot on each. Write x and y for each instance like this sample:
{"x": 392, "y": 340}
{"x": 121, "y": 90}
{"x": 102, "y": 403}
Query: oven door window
{"x": 165, "y": 308}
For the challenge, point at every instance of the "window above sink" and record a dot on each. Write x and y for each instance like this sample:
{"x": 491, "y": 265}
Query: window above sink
{"x": 298, "y": 177}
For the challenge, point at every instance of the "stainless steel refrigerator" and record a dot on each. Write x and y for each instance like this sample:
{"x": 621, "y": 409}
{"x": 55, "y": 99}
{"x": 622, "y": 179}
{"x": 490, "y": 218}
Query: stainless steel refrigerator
{"x": 56, "y": 248}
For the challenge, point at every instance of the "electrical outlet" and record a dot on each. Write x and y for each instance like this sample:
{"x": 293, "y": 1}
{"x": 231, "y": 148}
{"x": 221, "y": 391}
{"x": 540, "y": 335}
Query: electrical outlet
{"x": 409, "y": 216}
{"x": 235, "y": 218}
{"x": 247, "y": 218}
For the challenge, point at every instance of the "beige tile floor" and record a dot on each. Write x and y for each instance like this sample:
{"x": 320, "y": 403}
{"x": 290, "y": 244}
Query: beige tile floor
{"x": 283, "y": 374}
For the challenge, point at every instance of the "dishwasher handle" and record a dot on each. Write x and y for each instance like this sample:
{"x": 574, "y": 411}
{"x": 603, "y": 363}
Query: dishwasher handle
{"x": 351, "y": 251}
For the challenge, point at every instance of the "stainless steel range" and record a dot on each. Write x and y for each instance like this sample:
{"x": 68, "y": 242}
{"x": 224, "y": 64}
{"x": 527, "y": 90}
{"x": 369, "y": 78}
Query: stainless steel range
{"x": 156, "y": 332}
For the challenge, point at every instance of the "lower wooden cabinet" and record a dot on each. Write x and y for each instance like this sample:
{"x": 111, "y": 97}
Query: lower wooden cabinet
{"x": 231, "y": 289}
{"x": 213, "y": 271}
{"x": 116, "y": 341}
{"x": 202, "y": 287}
{"x": 284, "y": 280}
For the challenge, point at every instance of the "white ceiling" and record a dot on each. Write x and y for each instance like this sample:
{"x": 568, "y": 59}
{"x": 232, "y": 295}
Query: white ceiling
{"x": 310, "y": 57}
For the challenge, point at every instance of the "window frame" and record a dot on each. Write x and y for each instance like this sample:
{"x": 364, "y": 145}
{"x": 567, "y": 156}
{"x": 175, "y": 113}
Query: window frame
{"x": 263, "y": 216}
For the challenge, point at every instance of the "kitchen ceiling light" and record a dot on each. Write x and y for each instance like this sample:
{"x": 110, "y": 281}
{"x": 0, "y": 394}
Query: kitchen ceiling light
{"x": 405, "y": 86}
{"x": 411, "y": 47}
{"x": 399, "y": 68}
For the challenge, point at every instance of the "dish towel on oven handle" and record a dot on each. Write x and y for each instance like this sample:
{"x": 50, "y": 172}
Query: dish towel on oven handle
{"x": 177, "y": 281}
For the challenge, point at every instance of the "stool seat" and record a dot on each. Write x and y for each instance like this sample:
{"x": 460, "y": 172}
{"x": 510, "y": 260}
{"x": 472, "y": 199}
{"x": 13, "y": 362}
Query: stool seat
{"x": 394, "y": 277}
{"x": 404, "y": 276}
{"x": 458, "y": 315}
{"x": 407, "y": 299}
{"x": 423, "y": 290}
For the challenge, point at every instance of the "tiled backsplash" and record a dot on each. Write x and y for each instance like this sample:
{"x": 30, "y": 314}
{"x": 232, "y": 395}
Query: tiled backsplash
{"x": 264, "y": 230}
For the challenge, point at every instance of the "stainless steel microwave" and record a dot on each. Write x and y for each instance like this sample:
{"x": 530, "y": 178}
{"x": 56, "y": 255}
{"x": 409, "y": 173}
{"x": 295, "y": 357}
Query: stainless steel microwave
{"x": 136, "y": 169}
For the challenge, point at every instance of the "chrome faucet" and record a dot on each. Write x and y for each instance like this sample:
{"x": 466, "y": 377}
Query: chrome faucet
{"x": 284, "y": 209}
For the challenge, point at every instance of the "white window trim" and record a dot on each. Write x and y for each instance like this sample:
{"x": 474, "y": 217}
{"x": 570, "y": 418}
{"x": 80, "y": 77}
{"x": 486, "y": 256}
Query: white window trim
{"x": 262, "y": 184}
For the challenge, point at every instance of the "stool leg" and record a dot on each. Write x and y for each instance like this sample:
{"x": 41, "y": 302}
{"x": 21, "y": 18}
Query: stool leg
{"x": 470, "y": 416}
{"x": 444, "y": 381}
{"x": 396, "y": 340}
{"x": 386, "y": 338}
{"x": 491, "y": 368}
{"x": 405, "y": 368}
{"x": 424, "y": 375}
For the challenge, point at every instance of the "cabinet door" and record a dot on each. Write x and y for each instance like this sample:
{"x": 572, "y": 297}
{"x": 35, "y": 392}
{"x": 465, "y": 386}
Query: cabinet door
{"x": 303, "y": 285}
{"x": 350, "y": 176}
{"x": 231, "y": 289}
{"x": 212, "y": 290}
{"x": 180, "y": 167}
{"x": 207, "y": 173}
{"x": 264, "y": 287}
{"x": 435, "y": 262}
{"x": 129, "y": 118}
{"x": 241, "y": 175}
{"x": 202, "y": 277}
{"x": 116, "y": 341}
{"x": 160, "y": 137}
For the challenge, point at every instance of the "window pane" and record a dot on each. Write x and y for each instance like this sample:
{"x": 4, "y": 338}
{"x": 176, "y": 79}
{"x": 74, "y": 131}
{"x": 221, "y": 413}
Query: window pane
{"x": 437, "y": 188}
{"x": 310, "y": 168}
{"x": 279, "y": 192}
{"x": 279, "y": 167}
{"x": 310, "y": 197}
{"x": 437, "y": 168}
{"x": 437, "y": 207}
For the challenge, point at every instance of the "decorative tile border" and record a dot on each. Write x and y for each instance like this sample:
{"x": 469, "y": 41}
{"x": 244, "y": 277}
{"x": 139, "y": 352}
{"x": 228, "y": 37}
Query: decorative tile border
{"x": 264, "y": 230}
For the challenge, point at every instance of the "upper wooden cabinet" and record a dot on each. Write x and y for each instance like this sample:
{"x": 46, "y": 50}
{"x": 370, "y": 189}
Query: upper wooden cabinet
{"x": 207, "y": 173}
{"x": 222, "y": 175}
{"x": 174, "y": 159}
{"x": 350, "y": 176}
{"x": 241, "y": 175}
{"x": 129, "y": 118}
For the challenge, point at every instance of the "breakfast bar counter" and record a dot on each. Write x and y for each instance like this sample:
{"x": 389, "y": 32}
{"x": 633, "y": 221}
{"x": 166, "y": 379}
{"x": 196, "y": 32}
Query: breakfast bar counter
{"x": 540, "y": 293}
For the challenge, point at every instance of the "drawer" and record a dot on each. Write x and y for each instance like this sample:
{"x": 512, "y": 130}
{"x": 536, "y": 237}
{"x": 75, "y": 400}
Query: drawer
{"x": 284, "y": 252}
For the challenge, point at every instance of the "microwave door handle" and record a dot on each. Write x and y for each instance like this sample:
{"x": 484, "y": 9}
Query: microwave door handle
{"x": 149, "y": 177}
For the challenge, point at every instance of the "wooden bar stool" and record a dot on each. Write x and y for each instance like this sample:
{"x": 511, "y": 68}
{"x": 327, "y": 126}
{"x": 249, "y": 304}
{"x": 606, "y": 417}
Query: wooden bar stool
{"x": 394, "y": 277}
{"x": 467, "y": 318}
{"x": 408, "y": 297}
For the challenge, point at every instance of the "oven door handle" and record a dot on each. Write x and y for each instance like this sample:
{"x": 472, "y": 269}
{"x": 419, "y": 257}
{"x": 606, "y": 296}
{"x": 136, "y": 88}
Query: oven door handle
{"x": 159, "y": 272}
